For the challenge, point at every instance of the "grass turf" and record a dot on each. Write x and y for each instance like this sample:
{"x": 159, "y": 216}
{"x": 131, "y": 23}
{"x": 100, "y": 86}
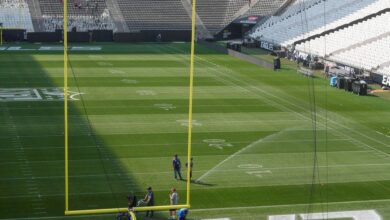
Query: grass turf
{"x": 254, "y": 138}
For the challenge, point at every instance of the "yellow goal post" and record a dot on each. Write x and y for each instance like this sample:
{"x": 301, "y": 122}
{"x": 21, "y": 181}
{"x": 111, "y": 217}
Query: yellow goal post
{"x": 189, "y": 141}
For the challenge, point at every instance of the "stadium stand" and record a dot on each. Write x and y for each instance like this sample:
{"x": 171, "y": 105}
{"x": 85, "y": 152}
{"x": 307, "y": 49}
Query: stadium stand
{"x": 217, "y": 14}
{"x": 136, "y": 15}
{"x": 15, "y": 14}
{"x": 306, "y": 18}
{"x": 155, "y": 15}
{"x": 265, "y": 7}
{"x": 384, "y": 70}
{"x": 84, "y": 15}
{"x": 358, "y": 33}
{"x": 368, "y": 56}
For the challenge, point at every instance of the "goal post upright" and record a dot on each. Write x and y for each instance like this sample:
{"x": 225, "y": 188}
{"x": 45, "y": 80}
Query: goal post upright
{"x": 189, "y": 143}
{"x": 65, "y": 30}
{"x": 191, "y": 91}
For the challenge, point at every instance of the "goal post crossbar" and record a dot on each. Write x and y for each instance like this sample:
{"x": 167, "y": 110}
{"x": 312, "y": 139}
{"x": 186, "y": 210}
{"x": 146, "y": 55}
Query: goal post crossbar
{"x": 118, "y": 210}
{"x": 189, "y": 144}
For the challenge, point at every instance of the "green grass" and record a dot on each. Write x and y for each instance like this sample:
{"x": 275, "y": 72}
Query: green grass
{"x": 131, "y": 122}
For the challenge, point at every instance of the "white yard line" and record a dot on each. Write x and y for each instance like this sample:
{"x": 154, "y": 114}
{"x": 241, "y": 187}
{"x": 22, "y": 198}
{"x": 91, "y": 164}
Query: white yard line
{"x": 293, "y": 205}
{"x": 235, "y": 154}
{"x": 37, "y": 94}
{"x": 30, "y": 186}
{"x": 115, "y": 124}
{"x": 34, "y": 196}
{"x": 173, "y": 143}
{"x": 147, "y": 158}
{"x": 137, "y": 106}
{"x": 272, "y": 102}
{"x": 284, "y": 100}
{"x": 197, "y": 171}
{"x": 293, "y": 104}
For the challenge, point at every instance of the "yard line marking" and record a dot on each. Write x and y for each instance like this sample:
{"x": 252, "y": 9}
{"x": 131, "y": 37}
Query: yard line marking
{"x": 282, "y": 99}
{"x": 282, "y": 217}
{"x": 276, "y": 97}
{"x": 42, "y": 212}
{"x": 298, "y": 113}
{"x": 288, "y": 205}
{"x": 235, "y": 154}
{"x": 115, "y": 124}
{"x": 168, "y": 144}
{"x": 138, "y": 106}
{"x": 215, "y": 218}
{"x": 39, "y": 208}
{"x": 31, "y": 184}
{"x": 116, "y": 160}
{"x": 382, "y": 153}
{"x": 197, "y": 171}
{"x": 37, "y": 94}
{"x": 40, "y": 196}
{"x": 320, "y": 116}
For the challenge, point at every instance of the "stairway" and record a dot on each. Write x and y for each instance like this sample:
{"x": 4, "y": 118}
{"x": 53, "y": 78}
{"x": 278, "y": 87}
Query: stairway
{"x": 36, "y": 15}
{"x": 117, "y": 16}
{"x": 245, "y": 9}
{"x": 201, "y": 30}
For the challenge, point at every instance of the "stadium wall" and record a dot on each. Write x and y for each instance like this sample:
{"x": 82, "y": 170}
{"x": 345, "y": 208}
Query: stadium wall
{"x": 81, "y": 37}
{"x": 52, "y": 37}
{"x": 12, "y": 35}
{"x": 238, "y": 55}
{"x": 75, "y": 37}
{"x": 102, "y": 36}
{"x": 152, "y": 36}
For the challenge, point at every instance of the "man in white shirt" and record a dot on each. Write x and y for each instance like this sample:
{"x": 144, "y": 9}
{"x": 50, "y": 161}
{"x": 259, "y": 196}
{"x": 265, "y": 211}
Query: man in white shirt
{"x": 173, "y": 198}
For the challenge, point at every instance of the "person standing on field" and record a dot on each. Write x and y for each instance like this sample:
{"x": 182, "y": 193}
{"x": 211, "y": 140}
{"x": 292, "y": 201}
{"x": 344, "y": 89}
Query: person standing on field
{"x": 190, "y": 167}
{"x": 173, "y": 199}
{"x": 149, "y": 201}
{"x": 176, "y": 167}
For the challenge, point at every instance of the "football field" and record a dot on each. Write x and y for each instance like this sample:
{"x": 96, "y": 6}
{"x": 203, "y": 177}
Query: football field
{"x": 265, "y": 143}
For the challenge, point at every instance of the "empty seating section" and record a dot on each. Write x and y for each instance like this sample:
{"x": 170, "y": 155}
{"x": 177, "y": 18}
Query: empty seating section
{"x": 347, "y": 37}
{"x": 265, "y": 7}
{"x": 155, "y": 15}
{"x": 212, "y": 13}
{"x": 217, "y": 14}
{"x": 75, "y": 7}
{"x": 87, "y": 15}
{"x": 367, "y": 56}
{"x": 233, "y": 6}
{"x": 15, "y": 14}
{"x": 83, "y": 15}
{"x": 310, "y": 17}
{"x": 384, "y": 70}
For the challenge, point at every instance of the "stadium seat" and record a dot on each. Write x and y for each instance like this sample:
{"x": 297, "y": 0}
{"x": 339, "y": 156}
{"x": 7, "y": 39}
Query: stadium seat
{"x": 15, "y": 14}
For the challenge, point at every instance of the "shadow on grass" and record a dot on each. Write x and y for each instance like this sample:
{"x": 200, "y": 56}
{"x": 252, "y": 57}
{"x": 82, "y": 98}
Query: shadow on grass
{"x": 97, "y": 178}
